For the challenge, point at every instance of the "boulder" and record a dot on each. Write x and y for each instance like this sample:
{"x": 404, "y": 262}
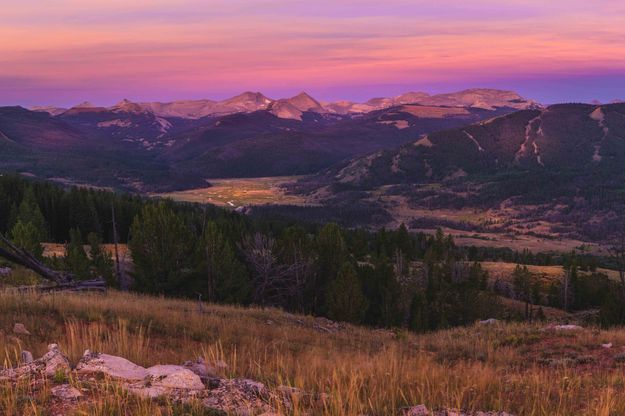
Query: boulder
{"x": 66, "y": 392}
{"x": 174, "y": 377}
{"x": 241, "y": 397}
{"x": 607, "y": 346}
{"x": 20, "y": 329}
{"x": 110, "y": 365}
{"x": 54, "y": 361}
{"x": 490, "y": 321}
{"x": 205, "y": 370}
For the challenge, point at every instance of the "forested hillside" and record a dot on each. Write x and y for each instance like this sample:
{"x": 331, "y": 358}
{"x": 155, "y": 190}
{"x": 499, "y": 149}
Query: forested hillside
{"x": 389, "y": 278}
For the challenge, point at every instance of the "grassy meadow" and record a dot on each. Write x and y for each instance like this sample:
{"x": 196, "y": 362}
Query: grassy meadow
{"x": 240, "y": 192}
{"x": 519, "y": 368}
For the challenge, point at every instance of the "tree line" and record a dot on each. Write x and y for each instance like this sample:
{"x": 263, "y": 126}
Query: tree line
{"x": 387, "y": 278}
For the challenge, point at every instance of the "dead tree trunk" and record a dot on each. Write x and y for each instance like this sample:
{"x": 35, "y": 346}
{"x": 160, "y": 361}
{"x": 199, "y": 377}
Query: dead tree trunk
{"x": 60, "y": 280}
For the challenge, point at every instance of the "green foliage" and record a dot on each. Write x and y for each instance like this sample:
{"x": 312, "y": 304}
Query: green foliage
{"x": 345, "y": 300}
{"x": 28, "y": 237}
{"x": 162, "y": 247}
{"x": 102, "y": 264}
{"x": 332, "y": 254}
{"x": 30, "y": 213}
{"x": 226, "y": 279}
{"x": 75, "y": 259}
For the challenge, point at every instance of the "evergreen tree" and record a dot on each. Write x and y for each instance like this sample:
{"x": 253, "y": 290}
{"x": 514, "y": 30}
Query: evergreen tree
{"x": 225, "y": 277}
{"x": 345, "y": 300}
{"x": 75, "y": 259}
{"x": 28, "y": 228}
{"x": 162, "y": 247}
{"x": 332, "y": 254}
{"x": 101, "y": 262}
{"x": 29, "y": 212}
{"x": 28, "y": 237}
{"x": 419, "y": 321}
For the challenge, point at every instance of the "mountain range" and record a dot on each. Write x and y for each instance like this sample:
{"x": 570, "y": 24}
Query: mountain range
{"x": 162, "y": 146}
{"x": 292, "y": 108}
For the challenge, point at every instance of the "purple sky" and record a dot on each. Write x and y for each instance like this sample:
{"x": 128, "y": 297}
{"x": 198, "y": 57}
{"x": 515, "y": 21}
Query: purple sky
{"x": 69, "y": 51}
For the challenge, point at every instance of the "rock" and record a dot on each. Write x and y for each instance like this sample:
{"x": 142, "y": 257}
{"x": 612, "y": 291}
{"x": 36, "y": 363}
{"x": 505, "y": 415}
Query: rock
{"x": 27, "y": 357}
{"x": 419, "y": 410}
{"x": 20, "y": 329}
{"x": 174, "y": 377}
{"x": 204, "y": 370}
{"x": 567, "y": 328}
{"x": 241, "y": 397}
{"x": 54, "y": 361}
{"x": 608, "y": 345}
{"x": 489, "y": 321}
{"x": 49, "y": 365}
{"x": 66, "y": 392}
{"x": 112, "y": 366}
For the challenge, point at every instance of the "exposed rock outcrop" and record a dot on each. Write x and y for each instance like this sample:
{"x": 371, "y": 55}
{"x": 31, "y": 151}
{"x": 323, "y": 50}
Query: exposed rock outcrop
{"x": 52, "y": 363}
{"x": 194, "y": 380}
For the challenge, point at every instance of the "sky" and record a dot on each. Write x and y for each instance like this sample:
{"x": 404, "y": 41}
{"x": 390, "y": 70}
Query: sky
{"x": 64, "y": 52}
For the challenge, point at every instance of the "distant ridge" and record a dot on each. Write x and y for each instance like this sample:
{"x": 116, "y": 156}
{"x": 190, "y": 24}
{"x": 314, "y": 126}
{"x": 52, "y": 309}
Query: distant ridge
{"x": 292, "y": 108}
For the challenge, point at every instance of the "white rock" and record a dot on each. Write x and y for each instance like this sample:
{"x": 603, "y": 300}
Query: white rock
{"x": 489, "y": 321}
{"x": 608, "y": 345}
{"x": 54, "y": 361}
{"x": 174, "y": 377}
{"x": 567, "y": 327}
{"x": 112, "y": 366}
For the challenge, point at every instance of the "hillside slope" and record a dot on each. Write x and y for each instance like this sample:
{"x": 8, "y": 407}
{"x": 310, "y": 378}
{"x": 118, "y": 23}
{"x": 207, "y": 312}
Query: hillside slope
{"x": 482, "y": 367}
{"x": 549, "y": 172}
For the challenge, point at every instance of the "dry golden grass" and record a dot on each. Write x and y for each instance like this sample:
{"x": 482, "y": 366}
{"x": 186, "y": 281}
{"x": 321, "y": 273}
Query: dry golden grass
{"x": 514, "y": 367}
{"x": 501, "y": 270}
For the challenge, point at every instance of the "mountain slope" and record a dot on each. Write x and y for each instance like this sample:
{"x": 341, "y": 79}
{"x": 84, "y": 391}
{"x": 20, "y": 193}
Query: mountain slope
{"x": 550, "y": 173}
{"x": 261, "y": 144}
{"x": 575, "y": 137}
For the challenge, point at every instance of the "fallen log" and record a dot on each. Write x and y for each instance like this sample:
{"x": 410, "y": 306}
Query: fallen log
{"x": 62, "y": 281}
{"x": 95, "y": 285}
{"x": 24, "y": 258}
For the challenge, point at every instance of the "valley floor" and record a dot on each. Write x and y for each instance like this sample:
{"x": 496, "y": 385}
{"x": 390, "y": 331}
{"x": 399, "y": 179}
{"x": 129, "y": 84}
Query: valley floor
{"x": 519, "y": 368}
{"x": 235, "y": 192}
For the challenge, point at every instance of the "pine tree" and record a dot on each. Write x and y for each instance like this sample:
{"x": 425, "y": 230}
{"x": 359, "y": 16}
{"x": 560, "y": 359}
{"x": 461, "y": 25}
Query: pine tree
{"x": 162, "y": 247}
{"x": 345, "y": 300}
{"x": 418, "y": 313}
{"x": 28, "y": 237}
{"x": 332, "y": 254}
{"x": 225, "y": 277}
{"x": 75, "y": 259}
{"x": 29, "y": 228}
{"x": 101, "y": 262}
